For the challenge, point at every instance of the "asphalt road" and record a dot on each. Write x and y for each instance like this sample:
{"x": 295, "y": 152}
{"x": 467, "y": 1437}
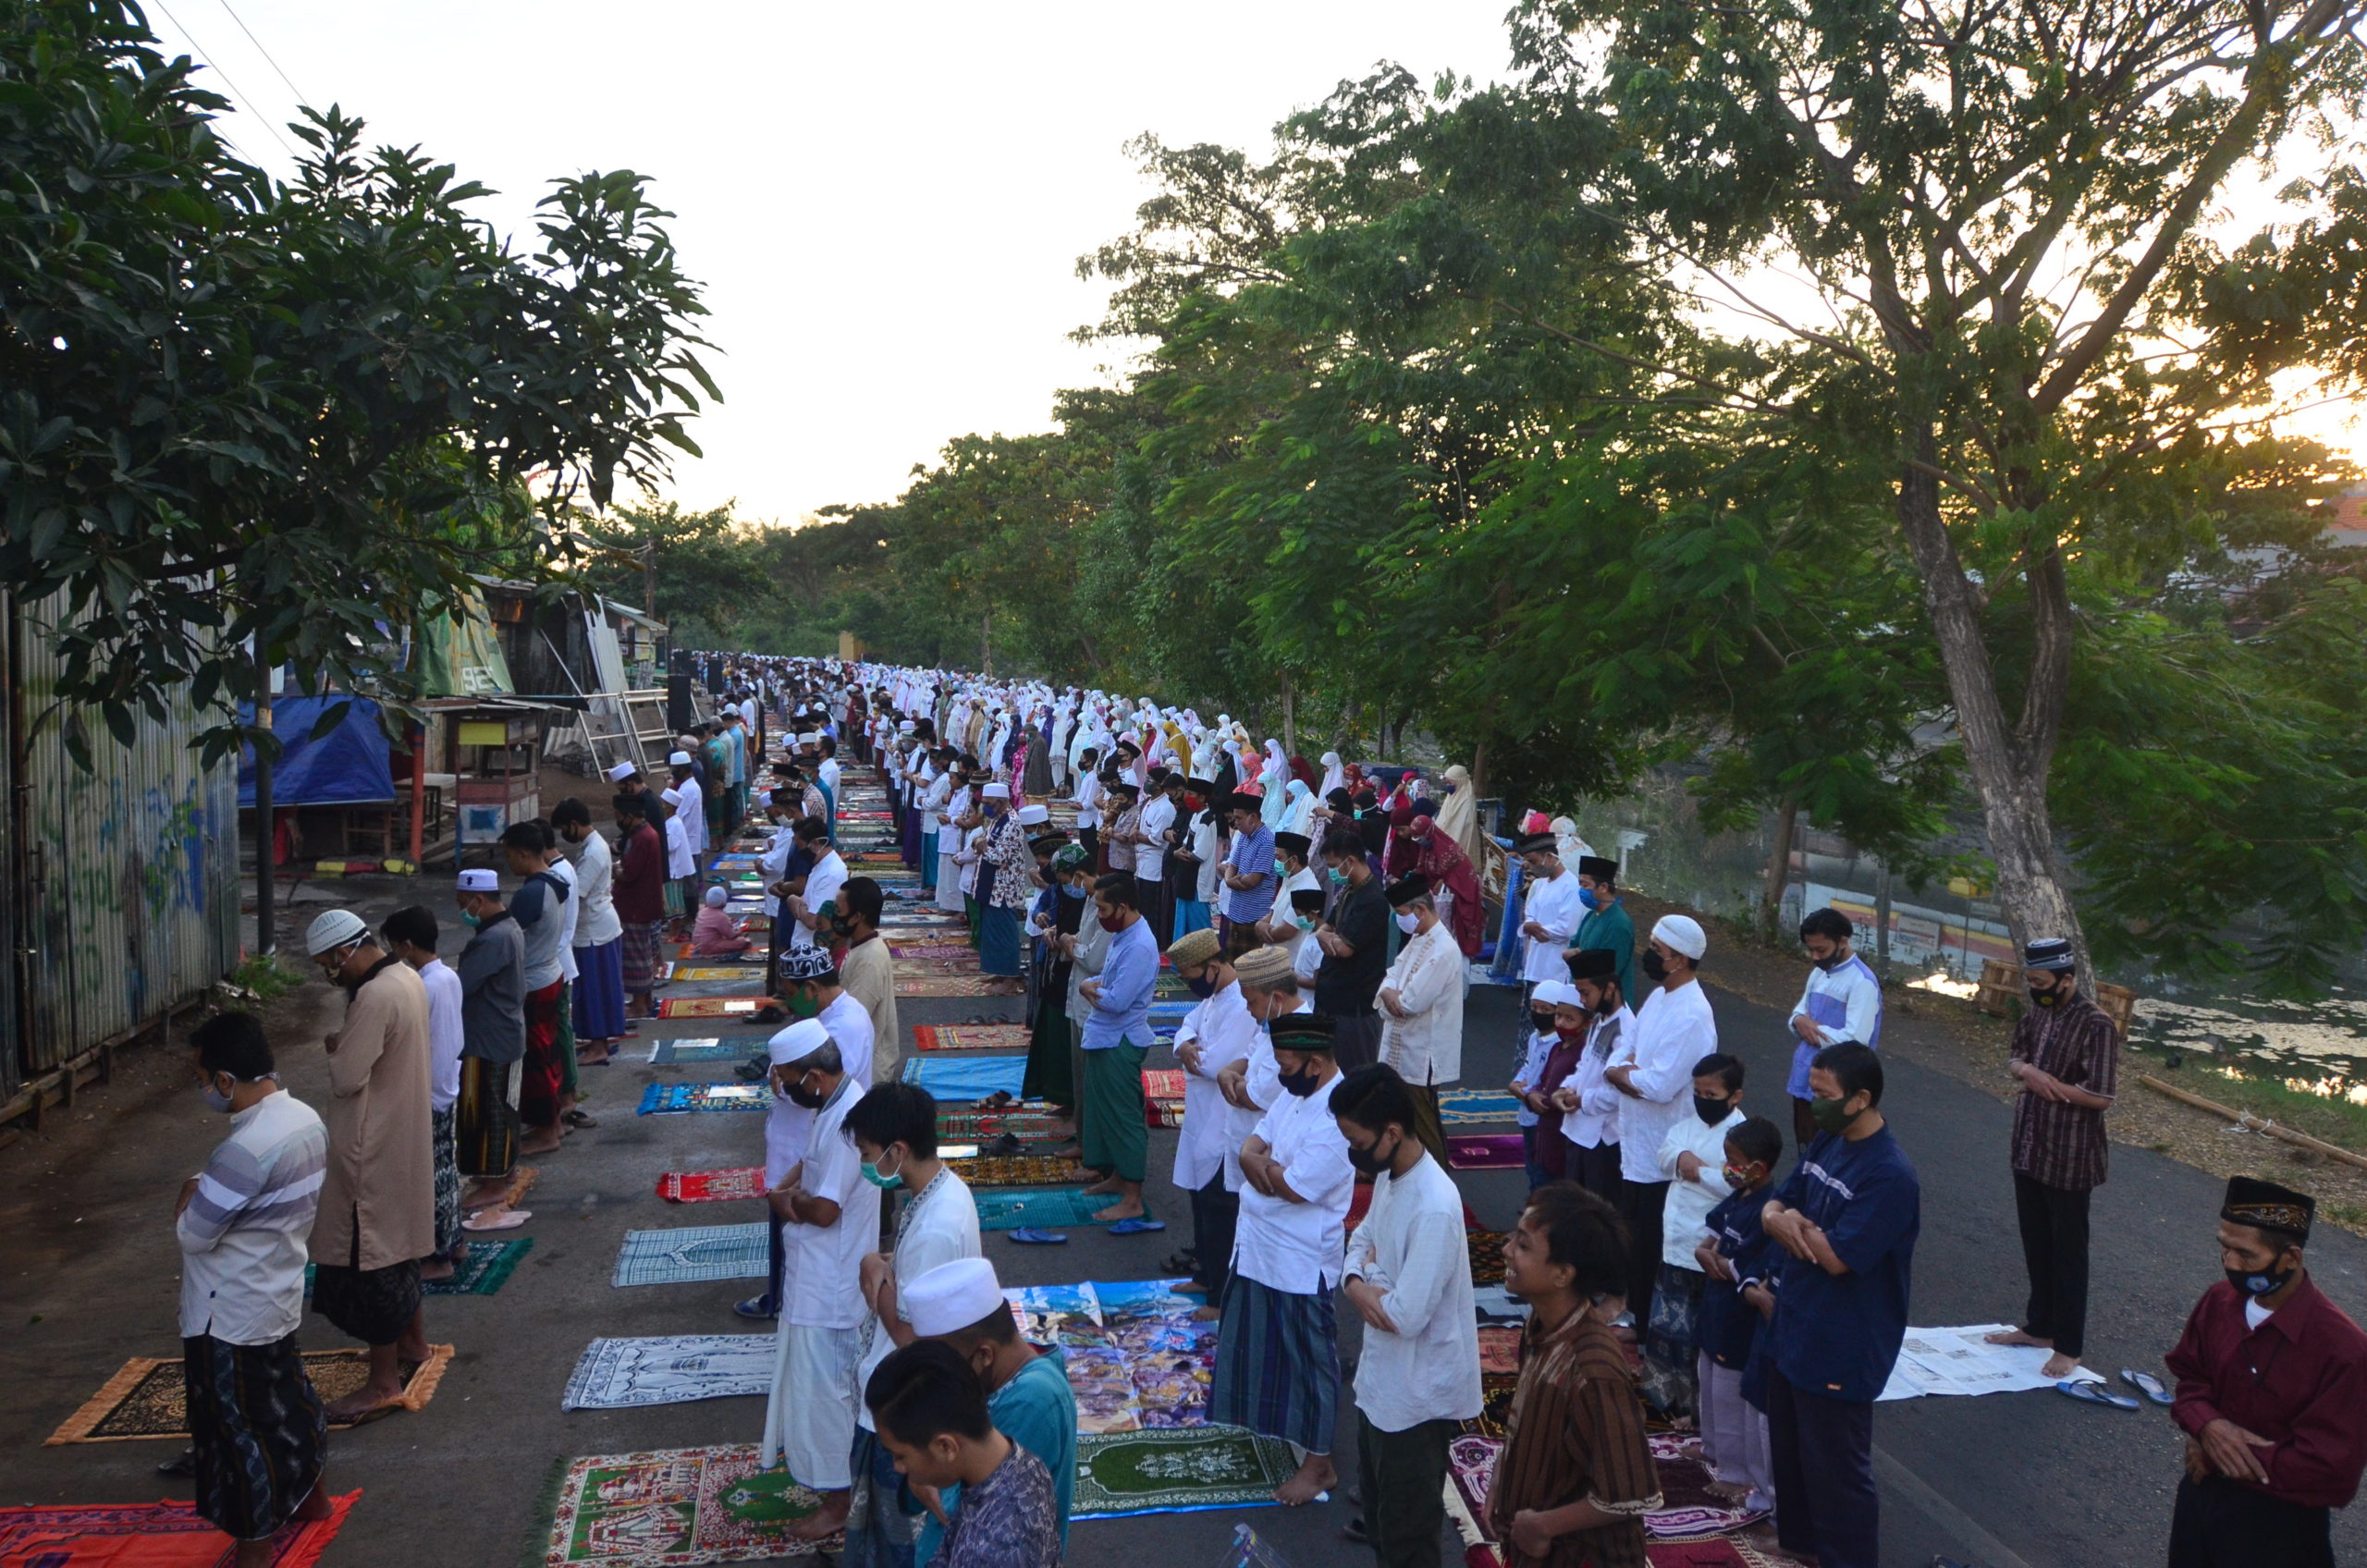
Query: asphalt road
{"x": 88, "y": 1277}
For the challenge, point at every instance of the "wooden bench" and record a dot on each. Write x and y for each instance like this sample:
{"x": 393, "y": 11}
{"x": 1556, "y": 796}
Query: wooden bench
{"x": 2004, "y": 995}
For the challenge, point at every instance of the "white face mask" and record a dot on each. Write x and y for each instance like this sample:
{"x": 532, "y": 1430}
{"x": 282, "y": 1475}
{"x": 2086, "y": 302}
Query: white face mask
{"x": 1409, "y": 923}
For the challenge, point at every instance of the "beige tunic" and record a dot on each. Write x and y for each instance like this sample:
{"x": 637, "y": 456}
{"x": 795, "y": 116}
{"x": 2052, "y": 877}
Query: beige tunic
{"x": 382, "y": 1162}
{"x": 869, "y": 975}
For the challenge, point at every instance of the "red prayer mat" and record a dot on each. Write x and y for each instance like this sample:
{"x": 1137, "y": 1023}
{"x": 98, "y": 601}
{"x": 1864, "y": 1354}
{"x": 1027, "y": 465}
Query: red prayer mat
{"x": 970, "y": 1037}
{"x": 712, "y": 1186}
{"x": 969, "y": 984}
{"x": 147, "y": 1535}
{"x": 1163, "y": 1097}
{"x": 708, "y": 1007}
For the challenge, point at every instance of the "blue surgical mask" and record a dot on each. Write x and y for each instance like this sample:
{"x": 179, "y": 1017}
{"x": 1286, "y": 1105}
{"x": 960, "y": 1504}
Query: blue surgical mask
{"x": 1339, "y": 878}
{"x": 1586, "y": 896}
{"x": 469, "y": 918}
{"x": 215, "y": 1100}
{"x": 1069, "y": 890}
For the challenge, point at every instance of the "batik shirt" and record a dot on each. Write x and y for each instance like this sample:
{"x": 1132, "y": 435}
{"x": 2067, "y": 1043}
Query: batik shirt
{"x": 1008, "y": 1520}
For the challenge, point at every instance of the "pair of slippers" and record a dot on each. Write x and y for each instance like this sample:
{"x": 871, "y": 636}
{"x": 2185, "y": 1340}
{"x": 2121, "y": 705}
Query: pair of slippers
{"x": 1032, "y": 1236}
{"x": 2099, "y": 1393}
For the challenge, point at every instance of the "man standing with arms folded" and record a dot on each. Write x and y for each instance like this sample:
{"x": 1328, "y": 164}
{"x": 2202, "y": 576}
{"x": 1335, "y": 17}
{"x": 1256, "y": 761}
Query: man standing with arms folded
{"x": 1421, "y": 1005}
{"x": 1550, "y": 908}
{"x": 2067, "y": 1055}
{"x": 411, "y": 935}
{"x": 868, "y": 973}
{"x": 1116, "y": 1036}
{"x": 257, "y": 1429}
{"x": 1214, "y": 1036}
{"x": 1249, "y": 874}
{"x": 1355, "y": 951}
{"x": 1408, "y": 1275}
{"x": 1843, "y": 1001}
{"x": 1674, "y": 1028}
{"x": 492, "y": 1039}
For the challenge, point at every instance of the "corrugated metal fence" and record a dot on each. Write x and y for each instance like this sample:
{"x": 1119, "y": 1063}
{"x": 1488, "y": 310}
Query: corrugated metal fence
{"x": 125, "y": 875}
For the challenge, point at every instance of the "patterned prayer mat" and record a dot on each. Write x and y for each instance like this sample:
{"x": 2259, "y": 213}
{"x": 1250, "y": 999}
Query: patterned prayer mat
{"x": 486, "y": 1269}
{"x": 1689, "y": 1510}
{"x": 150, "y": 1398}
{"x": 1467, "y": 1108}
{"x": 668, "y": 1369}
{"x": 1030, "y": 1124}
{"x": 1178, "y": 1472}
{"x": 711, "y": 1048}
{"x": 971, "y": 1036}
{"x": 937, "y": 968}
{"x": 708, "y": 1007}
{"x": 1048, "y": 1210}
{"x": 1499, "y": 1351}
{"x": 958, "y": 1078}
{"x": 149, "y": 1535}
{"x": 1163, "y": 1097}
{"x": 1136, "y": 1358}
{"x": 712, "y": 1186}
{"x": 719, "y": 970}
{"x": 665, "y": 1099}
{"x": 1014, "y": 1171}
{"x": 971, "y": 984}
{"x": 1485, "y": 1151}
{"x": 674, "y": 1507}
{"x": 935, "y": 953}
{"x": 1495, "y": 1403}
{"x": 1486, "y": 1249}
{"x": 691, "y": 1253}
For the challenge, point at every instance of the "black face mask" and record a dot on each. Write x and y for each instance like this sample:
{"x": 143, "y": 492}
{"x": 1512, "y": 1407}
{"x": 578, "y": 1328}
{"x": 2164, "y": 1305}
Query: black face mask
{"x": 812, "y": 1099}
{"x": 1830, "y": 964}
{"x": 1541, "y": 1021}
{"x": 1371, "y": 1161}
{"x": 1710, "y": 1111}
{"x": 2251, "y": 1283}
{"x": 1301, "y": 1084}
{"x": 1655, "y": 967}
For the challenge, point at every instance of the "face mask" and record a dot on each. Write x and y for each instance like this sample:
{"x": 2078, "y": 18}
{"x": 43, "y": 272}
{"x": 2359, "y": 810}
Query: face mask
{"x": 885, "y": 1180}
{"x": 1300, "y": 1084}
{"x": 215, "y": 1100}
{"x": 1409, "y": 923}
{"x": 839, "y": 927}
{"x": 2044, "y": 998}
{"x": 1303, "y": 922}
{"x": 1830, "y": 1116}
{"x": 1710, "y": 1111}
{"x": 1339, "y": 878}
{"x": 1371, "y": 1161}
{"x": 1541, "y": 1021}
{"x": 1655, "y": 967}
{"x": 1111, "y": 924}
{"x": 1569, "y": 1031}
{"x": 812, "y": 1099}
{"x": 1608, "y": 1006}
{"x": 2247, "y": 1283}
{"x": 1586, "y": 896}
{"x": 470, "y": 919}
{"x": 1740, "y": 1181}
{"x": 1201, "y": 985}
{"x": 803, "y": 1005}
{"x": 1830, "y": 964}
{"x": 1068, "y": 891}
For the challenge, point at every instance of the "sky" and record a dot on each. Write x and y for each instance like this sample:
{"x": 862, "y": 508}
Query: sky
{"x": 886, "y": 204}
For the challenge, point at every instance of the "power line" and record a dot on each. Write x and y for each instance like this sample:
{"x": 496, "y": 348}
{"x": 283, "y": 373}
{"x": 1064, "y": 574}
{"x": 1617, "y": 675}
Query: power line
{"x": 302, "y": 96}
{"x": 233, "y": 86}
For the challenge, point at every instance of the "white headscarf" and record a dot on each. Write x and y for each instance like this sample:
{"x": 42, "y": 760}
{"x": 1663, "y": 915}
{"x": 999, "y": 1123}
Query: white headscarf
{"x": 1269, "y": 779}
{"x": 1335, "y": 777}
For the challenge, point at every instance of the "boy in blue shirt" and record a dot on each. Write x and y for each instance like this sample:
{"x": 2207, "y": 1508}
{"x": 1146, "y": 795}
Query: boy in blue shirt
{"x": 1738, "y": 1256}
{"x": 1848, "y": 1217}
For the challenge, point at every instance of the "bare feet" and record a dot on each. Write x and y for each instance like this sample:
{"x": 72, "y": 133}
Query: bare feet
{"x": 826, "y": 1521}
{"x": 1316, "y": 1474}
{"x": 1132, "y": 1209}
{"x": 1064, "y": 1131}
{"x": 437, "y": 1268}
{"x": 2016, "y": 1336}
{"x": 316, "y": 1502}
{"x": 2059, "y": 1365}
{"x": 364, "y": 1400}
{"x": 1207, "y": 1314}
{"x": 486, "y": 1194}
{"x": 1106, "y": 1185}
{"x": 540, "y": 1140}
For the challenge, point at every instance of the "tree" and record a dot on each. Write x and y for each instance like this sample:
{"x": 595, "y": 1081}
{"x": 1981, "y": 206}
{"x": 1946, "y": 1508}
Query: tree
{"x": 237, "y": 415}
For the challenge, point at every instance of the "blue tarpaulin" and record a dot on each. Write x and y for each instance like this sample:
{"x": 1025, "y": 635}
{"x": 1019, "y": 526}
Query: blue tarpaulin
{"x": 348, "y": 766}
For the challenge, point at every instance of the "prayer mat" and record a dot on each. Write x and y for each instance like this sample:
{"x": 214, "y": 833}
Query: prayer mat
{"x": 937, "y": 968}
{"x": 1048, "y": 1210}
{"x": 665, "y": 1100}
{"x": 150, "y": 1397}
{"x": 971, "y": 1036}
{"x": 1121, "y": 1473}
{"x": 1030, "y": 1124}
{"x": 1499, "y": 1351}
{"x": 675, "y": 1053}
{"x": 712, "y": 1186}
{"x": 966, "y": 1078}
{"x": 1015, "y": 1171}
{"x": 691, "y": 1253}
{"x": 1467, "y": 1108}
{"x": 708, "y": 1007}
{"x": 668, "y": 1369}
{"x": 1485, "y": 1151}
{"x": 1163, "y": 1097}
{"x": 1495, "y": 1403}
{"x": 486, "y": 1269}
{"x": 1486, "y": 1249}
{"x": 722, "y": 968}
{"x": 1136, "y": 1358}
{"x": 1170, "y": 986}
{"x": 1689, "y": 1509}
{"x": 149, "y": 1535}
{"x": 936, "y": 952}
{"x": 680, "y": 1506}
{"x": 969, "y": 984}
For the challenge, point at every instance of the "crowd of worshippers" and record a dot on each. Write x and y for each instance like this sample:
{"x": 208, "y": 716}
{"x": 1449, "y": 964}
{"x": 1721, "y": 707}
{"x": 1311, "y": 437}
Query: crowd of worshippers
{"x": 1768, "y": 1309}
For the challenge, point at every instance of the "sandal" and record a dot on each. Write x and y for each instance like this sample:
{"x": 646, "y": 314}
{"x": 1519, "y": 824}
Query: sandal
{"x": 2146, "y": 1384}
{"x": 514, "y": 1217}
{"x": 1029, "y": 1236}
{"x": 1007, "y": 1144}
{"x": 1001, "y": 1099}
{"x": 1144, "y": 1225}
{"x": 2095, "y": 1394}
{"x": 578, "y": 1119}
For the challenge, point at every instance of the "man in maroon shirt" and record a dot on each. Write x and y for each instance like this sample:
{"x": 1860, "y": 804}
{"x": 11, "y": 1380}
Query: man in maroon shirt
{"x": 638, "y": 891}
{"x": 2271, "y": 1394}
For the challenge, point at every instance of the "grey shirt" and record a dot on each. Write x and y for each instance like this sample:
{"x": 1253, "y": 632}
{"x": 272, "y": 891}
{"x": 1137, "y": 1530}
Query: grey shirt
{"x": 493, "y": 992}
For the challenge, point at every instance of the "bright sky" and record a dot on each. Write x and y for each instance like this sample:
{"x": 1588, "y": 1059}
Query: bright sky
{"x": 886, "y": 202}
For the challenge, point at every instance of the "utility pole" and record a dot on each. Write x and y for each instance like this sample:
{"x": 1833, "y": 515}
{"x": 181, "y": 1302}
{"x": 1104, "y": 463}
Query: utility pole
{"x": 266, "y": 918}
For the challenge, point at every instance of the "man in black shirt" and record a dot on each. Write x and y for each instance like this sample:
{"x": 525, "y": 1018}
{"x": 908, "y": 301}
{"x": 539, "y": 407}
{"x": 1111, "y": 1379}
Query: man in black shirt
{"x": 1355, "y": 951}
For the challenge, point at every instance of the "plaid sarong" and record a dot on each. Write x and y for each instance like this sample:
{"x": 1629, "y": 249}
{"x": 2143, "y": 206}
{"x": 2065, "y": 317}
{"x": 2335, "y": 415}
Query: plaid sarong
{"x": 639, "y": 940}
{"x": 258, "y": 1429}
{"x": 1278, "y": 1364}
{"x": 443, "y": 1127}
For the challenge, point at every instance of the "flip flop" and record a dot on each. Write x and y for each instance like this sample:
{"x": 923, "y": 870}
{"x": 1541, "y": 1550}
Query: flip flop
{"x": 2146, "y": 1384}
{"x": 517, "y": 1217}
{"x": 577, "y": 1118}
{"x": 2095, "y": 1394}
{"x": 1137, "y": 1227}
{"x": 1008, "y": 1144}
{"x": 1029, "y": 1236}
{"x": 1000, "y": 1099}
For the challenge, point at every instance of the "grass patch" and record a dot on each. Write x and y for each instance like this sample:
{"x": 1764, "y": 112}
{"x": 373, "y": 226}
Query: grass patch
{"x": 262, "y": 977}
{"x": 2336, "y": 1121}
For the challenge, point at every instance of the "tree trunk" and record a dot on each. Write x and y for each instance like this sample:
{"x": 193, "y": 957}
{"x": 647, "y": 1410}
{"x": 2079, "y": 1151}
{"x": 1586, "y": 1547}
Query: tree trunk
{"x": 2030, "y": 885}
{"x": 1779, "y": 869}
{"x": 1479, "y": 772}
{"x": 985, "y": 640}
{"x": 1290, "y": 716}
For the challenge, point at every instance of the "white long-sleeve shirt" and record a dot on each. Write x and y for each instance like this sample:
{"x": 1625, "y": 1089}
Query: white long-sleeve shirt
{"x": 1296, "y": 1246}
{"x": 1595, "y": 1122}
{"x": 1411, "y": 1247}
{"x": 1845, "y": 1001}
{"x": 444, "y": 1037}
{"x": 597, "y": 925}
{"x": 242, "y": 1235}
{"x": 1428, "y": 977}
{"x": 1683, "y": 1220}
{"x": 1225, "y": 1033}
{"x": 1672, "y": 1030}
{"x": 1555, "y": 906}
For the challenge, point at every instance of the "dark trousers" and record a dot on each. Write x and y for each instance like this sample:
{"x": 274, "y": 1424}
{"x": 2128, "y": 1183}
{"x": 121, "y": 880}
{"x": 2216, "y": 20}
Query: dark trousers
{"x": 1215, "y": 1213}
{"x": 1640, "y": 1204}
{"x": 1091, "y": 839}
{"x": 1597, "y": 1169}
{"x": 1803, "y": 1124}
{"x": 2223, "y": 1524}
{"x": 2054, "y": 1248}
{"x": 1404, "y": 1478}
{"x": 1356, "y": 1039}
{"x": 1823, "y": 1452}
{"x": 1529, "y": 1137}
{"x": 780, "y": 1257}
{"x": 1150, "y": 896}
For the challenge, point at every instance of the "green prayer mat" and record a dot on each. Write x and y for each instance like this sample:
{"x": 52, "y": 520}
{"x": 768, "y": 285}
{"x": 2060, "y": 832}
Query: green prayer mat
{"x": 1180, "y": 1470}
{"x": 1043, "y": 1211}
{"x": 677, "y": 1506}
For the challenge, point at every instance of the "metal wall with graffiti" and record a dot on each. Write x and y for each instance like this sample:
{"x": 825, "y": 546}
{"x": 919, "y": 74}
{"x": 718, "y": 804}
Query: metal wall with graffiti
{"x": 126, "y": 873}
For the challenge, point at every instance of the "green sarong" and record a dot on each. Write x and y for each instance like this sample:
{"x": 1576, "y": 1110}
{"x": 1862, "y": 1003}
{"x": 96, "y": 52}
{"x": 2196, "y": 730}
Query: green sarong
{"x": 1115, "y": 1138}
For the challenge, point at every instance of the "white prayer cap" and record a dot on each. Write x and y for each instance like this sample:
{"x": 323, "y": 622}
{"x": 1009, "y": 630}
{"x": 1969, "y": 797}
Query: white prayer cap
{"x": 1683, "y": 933}
{"x": 678, "y": 759}
{"x": 797, "y": 1042}
{"x": 812, "y": 738}
{"x": 906, "y": 728}
{"x": 335, "y": 929}
{"x": 1557, "y": 993}
{"x": 952, "y": 1296}
{"x": 623, "y": 771}
{"x": 997, "y": 792}
{"x": 1030, "y": 816}
{"x": 715, "y": 897}
{"x": 480, "y": 881}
